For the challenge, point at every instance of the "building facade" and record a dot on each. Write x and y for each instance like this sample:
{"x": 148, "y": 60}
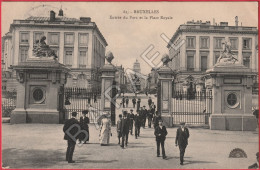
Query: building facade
{"x": 196, "y": 46}
{"x": 78, "y": 43}
{"x": 121, "y": 79}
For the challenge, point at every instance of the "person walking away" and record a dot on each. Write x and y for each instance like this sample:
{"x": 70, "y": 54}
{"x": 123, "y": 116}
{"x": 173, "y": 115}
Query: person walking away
{"x": 127, "y": 101}
{"x": 156, "y": 119}
{"x": 150, "y": 118}
{"x": 181, "y": 140}
{"x": 145, "y": 114}
{"x": 124, "y": 129}
{"x": 141, "y": 115}
{"x": 119, "y": 135}
{"x": 105, "y": 130}
{"x": 84, "y": 121}
{"x": 69, "y": 132}
{"x": 160, "y": 133}
{"x": 123, "y": 101}
{"x": 132, "y": 116}
{"x": 137, "y": 120}
{"x": 138, "y": 104}
{"x": 134, "y": 102}
{"x": 149, "y": 102}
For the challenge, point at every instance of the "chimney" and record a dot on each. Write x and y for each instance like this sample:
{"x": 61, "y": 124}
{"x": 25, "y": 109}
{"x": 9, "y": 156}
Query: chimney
{"x": 52, "y": 16}
{"x": 214, "y": 21}
{"x": 60, "y": 13}
{"x": 236, "y": 21}
{"x": 223, "y": 23}
{"x": 85, "y": 19}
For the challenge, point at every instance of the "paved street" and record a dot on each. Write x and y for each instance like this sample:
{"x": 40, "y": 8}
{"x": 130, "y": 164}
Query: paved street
{"x": 42, "y": 146}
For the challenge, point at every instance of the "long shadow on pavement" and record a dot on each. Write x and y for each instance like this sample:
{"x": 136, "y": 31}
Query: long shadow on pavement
{"x": 186, "y": 162}
{"x": 31, "y": 158}
{"x": 95, "y": 161}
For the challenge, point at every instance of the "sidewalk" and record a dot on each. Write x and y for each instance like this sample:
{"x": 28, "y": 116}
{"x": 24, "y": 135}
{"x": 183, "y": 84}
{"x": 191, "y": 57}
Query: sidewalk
{"x": 42, "y": 146}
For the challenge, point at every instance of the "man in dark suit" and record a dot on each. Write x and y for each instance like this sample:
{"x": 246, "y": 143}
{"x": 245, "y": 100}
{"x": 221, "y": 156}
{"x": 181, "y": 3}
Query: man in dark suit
{"x": 156, "y": 119}
{"x": 124, "y": 129}
{"x": 132, "y": 116}
{"x": 137, "y": 120}
{"x": 145, "y": 114}
{"x": 160, "y": 132}
{"x": 134, "y": 102}
{"x": 72, "y": 130}
{"x": 181, "y": 140}
{"x": 84, "y": 121}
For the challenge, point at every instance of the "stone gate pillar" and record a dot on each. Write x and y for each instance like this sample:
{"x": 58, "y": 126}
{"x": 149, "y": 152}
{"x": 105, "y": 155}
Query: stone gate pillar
{"x": 232, "y": 97}
{"x": 39, "y": 98}
{"x": 165, "y": 94}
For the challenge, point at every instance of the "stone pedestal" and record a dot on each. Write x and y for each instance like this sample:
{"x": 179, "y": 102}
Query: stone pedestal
{"x": 232, "y": 98}
{"x": 108, "y": 77}
{"x": 39, "y": 91}
{"x": 165, "y": 95}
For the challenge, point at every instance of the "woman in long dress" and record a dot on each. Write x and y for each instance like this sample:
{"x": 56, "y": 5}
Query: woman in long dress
{"x": 105, "y": 130}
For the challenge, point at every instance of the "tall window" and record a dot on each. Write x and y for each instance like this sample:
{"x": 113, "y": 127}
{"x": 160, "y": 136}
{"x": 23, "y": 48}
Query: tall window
{"x": 37, "y": 37}
{"x": 190, "y": 62}
{"x": 204, "y": 63}
{"x": 234, "y": 43}
{"x": 190, "y": 42}
{"x": 53, "y": 38}
{"x": 69, "y": 38}
{"x": 217, "y": 43}
{"x": 83, "y": 39}
{"x": 68, "y": 57}
{"x": 23, "y": 54}
{"x": 82, "y": 58}
{"x": 247, "y": 43}
{"x": 24, "y": 38}
{"x": 246, "y": 59}
{"x": 204, "y": 42}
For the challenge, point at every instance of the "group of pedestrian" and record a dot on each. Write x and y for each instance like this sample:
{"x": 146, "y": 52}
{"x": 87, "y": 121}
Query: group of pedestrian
{"x": 73, "y": 131}
{"x": 181, "y": 139}
{"x": 125, "y": 125}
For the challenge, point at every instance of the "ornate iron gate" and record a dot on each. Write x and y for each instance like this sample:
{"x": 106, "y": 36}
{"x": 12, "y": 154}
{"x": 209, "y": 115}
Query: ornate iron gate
{"x": 192, "y": 107}
{"x": 79, "y": 99}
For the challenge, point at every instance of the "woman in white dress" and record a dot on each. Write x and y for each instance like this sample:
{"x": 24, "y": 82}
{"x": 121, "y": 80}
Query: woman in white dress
{"x": 105, "y": 130}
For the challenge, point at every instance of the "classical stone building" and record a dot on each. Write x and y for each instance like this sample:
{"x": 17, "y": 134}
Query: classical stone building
{"x": 196, "y": 46}
{"x": 120, "y": 78}
{"x": 78, "y": 43}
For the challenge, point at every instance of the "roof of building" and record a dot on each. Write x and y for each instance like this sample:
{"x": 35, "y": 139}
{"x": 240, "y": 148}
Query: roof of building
{"x": 57, "y": 19}
{"x": 207, "y": 28}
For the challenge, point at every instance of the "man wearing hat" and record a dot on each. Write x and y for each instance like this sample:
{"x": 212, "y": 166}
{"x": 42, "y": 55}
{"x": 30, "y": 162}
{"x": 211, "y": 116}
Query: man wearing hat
{"x": 71, "y": 128}
{"x": 160, "y": 133}
{"x": 132, "y": 116}
{"x": 181, "y": 140}
{"x": 119, "y": 135}
{"x": 84, "y": 121}
{"x": 124, "y": 129}
{"x": 145, "y": 114}
{"x": 138, "y": 121}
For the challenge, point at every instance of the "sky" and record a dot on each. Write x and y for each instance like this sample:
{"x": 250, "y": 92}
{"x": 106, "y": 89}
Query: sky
{"x": 129, "y": 38}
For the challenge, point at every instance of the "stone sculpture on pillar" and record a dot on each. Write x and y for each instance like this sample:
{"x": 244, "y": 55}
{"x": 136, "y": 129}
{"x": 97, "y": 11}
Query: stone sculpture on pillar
{"x": 231, "y": 85}
{"x": 226, "y": 57}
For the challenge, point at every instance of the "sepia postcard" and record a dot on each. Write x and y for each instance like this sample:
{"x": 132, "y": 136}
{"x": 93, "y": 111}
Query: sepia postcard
{"x": 130, "y": 85}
